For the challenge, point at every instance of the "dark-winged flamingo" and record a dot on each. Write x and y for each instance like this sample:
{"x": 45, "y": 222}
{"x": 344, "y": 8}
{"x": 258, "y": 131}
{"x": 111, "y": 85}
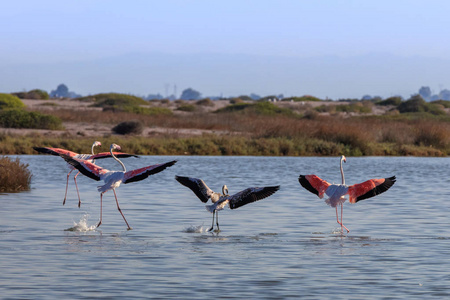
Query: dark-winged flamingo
{"x": 337, "y": 192}
{"x": 219, "y": 201}
{"x": 113, "y": 179}
{"x": 89, "y": 157}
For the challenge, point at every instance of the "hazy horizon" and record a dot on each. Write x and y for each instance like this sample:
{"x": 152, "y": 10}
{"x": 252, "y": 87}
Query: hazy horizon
{"x": 334, "y": 49}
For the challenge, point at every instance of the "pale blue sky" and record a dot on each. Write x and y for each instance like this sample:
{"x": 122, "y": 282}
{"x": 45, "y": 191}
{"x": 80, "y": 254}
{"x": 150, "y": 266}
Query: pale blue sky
{"x": 71, "y": 42}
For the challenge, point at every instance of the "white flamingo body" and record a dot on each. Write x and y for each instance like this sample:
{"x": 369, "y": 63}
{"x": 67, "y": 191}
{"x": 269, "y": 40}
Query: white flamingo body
{"x": 338, "y": 193}
{"x": 113, "y": 179}
{"x": 220, "y": 201}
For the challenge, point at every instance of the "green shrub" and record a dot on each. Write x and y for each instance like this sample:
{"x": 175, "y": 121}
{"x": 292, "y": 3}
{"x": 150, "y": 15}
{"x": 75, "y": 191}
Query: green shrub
{"x": 234, "y": 108}
{"x": 14, "y": 175}
{"x": 444, "y": 103}
{"x": 416, "y": 104}
{"x": 205, "y": 102}
{"x": 187, "y": 107}
{"x": 243, "y": 98}
{"x": 125, "y": 103}
{"x": 114, "y": 100}
{"x": 303, "y": 98}
{"x": 10, "y": 101}
{"x": 35, "y": 94}
{"x": 15, "y": 118}
{"x": 129, "y": 127}
{"x": 258, "y": 108}
{"x": 238, "y": 100}
{"x": 357, "y": 107}
{"x": 391, "y": 101}
{"x": 148, "y": 111}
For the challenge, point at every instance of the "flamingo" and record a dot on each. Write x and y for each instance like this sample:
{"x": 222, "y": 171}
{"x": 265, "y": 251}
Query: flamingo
{"x": 219, "y": 201}
{"x": 337, "y": 192}
{"x": 113, "y": 179}
{"x": 90, "y": 157}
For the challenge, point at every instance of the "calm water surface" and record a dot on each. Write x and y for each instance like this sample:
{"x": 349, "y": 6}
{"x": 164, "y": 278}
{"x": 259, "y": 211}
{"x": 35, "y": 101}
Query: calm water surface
{"x": 285, "y": 246}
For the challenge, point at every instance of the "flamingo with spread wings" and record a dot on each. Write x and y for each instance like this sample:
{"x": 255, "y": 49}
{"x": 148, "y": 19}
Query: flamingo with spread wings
{"x": 337, "y": 192}
{"x": 219, "y": 201}
{"x": 113, "y": 179}
{"x": 89, "y": 157}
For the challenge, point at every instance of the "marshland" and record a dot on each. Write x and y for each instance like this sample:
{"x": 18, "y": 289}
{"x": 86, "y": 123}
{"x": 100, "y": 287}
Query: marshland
{"x": 296, "y": 126}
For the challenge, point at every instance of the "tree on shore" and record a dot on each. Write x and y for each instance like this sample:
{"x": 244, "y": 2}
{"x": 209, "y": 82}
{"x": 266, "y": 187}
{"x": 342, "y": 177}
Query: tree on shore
{"x": 190, "y": 94}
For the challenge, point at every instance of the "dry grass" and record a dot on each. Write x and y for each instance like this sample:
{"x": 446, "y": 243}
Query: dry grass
{"x": 258, "y": 134}
{"x": 14, "y": 175}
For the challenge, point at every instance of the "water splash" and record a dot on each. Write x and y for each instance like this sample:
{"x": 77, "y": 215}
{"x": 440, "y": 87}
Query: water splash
{"x": 82, "y": 225}
{"x": 338, "y": 231}
{"x": 194, "y": 229}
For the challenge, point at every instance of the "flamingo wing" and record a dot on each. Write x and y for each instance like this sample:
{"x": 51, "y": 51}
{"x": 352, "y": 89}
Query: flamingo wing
{"x": 369, "y": 188}
{"x": 314, "y": 184}
{"x": 55, "y": 151}
{"x": 250, "y": 195}
{"x": 85, "y": 167}
{"x": 107, "y": 154}
{"x": 198, "y": 186}
{"x": 142, "y": 173}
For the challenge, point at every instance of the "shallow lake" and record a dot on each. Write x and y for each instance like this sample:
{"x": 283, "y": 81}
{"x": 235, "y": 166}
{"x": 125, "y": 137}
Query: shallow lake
{"x": 284, "y": 246}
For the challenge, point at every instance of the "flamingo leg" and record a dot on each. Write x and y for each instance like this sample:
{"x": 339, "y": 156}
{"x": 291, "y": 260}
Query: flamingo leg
{"x": 217, "y": 220}
{"x": 78, "y": 192}
{"x": 101, "y": 205}
{"x": 212, "y": 225}
{"x": 67, "y": 184}
{"x": 340, "y": 222}
{"x": 118, "y": 207}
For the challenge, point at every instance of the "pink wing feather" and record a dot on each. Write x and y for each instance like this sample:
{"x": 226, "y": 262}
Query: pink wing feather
{"x": 55, "y": 151}
{"x": 369, "y": 188}
{"x": 314, "y": 184}
{"x": 142, "y": 173}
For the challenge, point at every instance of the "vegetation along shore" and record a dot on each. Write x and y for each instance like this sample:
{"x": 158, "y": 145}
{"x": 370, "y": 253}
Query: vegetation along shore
{"x": 293, "y": 126}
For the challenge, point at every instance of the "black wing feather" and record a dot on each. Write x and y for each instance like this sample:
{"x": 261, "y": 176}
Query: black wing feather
{"x": 147, "y": 173}
{"x": 196, "y": 185}
{"x": 388, "y": 182}
{"x": 305, "y": 183}
{"x": 80, "y": 167}
{"x": 250, "y": 195}
{"x": 45, "y": 150}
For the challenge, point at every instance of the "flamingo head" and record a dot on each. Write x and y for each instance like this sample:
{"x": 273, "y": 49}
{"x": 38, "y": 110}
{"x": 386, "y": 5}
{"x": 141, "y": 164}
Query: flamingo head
{"x": 115, "y": 147}
{"x": 225, "y": 190}
{"x": 343, "y": 158}
{"x": 97, "y": 143}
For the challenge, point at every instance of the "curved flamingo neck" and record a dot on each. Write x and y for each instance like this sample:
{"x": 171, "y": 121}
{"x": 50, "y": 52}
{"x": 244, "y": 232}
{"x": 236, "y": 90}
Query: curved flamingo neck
{"x": 113, "y": 156}
{"x": 342, "y": 172}
{"x": 92, "y": 149}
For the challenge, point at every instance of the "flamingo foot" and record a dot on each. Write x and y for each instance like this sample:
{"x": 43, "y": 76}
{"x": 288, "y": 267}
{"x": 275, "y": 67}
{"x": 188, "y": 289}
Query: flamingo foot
{"x": 64, "y": 201}
{"x": 129, "y": 228}
{"x": 211, "y": 229}
{"x": 343, "y": 226}
{"x": 99, "y": 223}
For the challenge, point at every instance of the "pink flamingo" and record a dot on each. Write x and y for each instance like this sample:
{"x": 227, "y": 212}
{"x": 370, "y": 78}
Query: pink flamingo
{"x": 89, "y": 157}
{"x": 113, "y": 179}
{"x": 337, "y": 192}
